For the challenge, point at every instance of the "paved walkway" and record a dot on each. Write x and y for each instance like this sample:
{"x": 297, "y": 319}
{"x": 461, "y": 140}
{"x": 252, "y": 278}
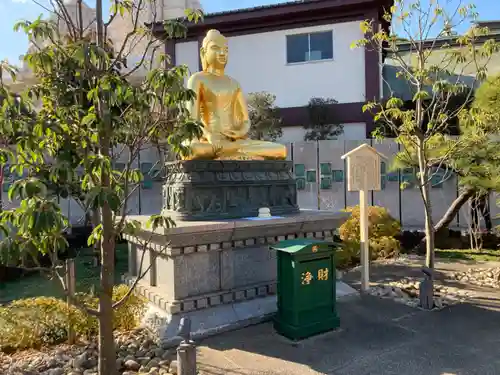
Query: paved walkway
{"x": 377, "y": 337}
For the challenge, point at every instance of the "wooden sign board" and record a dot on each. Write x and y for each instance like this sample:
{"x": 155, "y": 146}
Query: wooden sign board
{"x": 363, "y": 168}
{"x": 363, "y": 174}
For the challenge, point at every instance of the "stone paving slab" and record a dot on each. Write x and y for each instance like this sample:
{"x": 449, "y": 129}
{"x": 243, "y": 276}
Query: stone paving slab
{"x": 377, "y": 337}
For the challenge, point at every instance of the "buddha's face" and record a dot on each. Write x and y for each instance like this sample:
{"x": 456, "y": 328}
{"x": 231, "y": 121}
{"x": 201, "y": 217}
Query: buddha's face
{"x": 216, "y": 53}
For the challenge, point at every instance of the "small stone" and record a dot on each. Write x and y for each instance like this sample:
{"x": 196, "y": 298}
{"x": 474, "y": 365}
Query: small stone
{"x": 412, "y": 303}
{"x": 56, "y": 371}
{"x": 158, "y": 352}
{"x": 89, "y": 372}
{"x": 400, "y": 293}
{"x": 164, "y": 364}
{"x": 132, "y": 365}
{"x": 169, "y": 354}
{"x": 35, "y": 363}
{"x": 155, "y": 362}
{"x": 119, "y": 363}
{"x": 129, "y": 358}
{"x": 143, "y": 360}
{"x": 91, "y": 363}
{"x": 438, "y": 303}
{"x": 173, "y": 367}
{"x": 148, "y": 343}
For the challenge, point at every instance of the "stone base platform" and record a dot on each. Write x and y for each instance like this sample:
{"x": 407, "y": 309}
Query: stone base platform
{"x": 220, "y": 273}
{"x": 216, "y": 319}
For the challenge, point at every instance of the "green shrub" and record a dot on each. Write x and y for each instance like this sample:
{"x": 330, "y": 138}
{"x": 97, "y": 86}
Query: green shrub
{"x": 382, "y": 229}
{"x": 41, "y": 321}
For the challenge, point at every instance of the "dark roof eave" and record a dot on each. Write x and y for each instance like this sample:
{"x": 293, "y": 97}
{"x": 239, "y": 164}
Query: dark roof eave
{"x": 451, "y": 41}
{"x": 248, "y": 17}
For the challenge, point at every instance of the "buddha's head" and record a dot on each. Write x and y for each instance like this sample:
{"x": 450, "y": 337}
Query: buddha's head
{"x": 214, "y": 51}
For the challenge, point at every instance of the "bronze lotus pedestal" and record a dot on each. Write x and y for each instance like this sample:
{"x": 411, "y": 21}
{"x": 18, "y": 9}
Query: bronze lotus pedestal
{"x": 228, "y": 189}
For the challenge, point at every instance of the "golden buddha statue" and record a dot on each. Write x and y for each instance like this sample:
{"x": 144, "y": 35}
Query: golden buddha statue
{"x": 221, "y": 107}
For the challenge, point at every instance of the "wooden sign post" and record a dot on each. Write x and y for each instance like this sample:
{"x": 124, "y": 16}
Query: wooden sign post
{"x": 363, "y": 174}
{"x": 71, "y": 286}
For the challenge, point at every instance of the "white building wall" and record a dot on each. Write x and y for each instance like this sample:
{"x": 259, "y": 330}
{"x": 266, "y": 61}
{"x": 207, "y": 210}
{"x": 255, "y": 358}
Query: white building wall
{"x": 258, "y": 62}
{"x": 352, "y": 132}
{"x": 187, "y": 53}
{"x": 292, "y": 134}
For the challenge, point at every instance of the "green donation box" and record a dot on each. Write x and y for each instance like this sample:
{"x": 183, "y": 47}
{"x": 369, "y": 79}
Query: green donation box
{"x": 306, "y": 288}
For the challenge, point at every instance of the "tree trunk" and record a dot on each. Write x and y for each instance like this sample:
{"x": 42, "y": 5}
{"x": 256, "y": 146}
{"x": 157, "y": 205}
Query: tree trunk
{"x": 107, "y": 352}
{"x": 424, "y": 189}
{"x": 429, "y": 230}
{"x": 453, "y": 210}
{"x": 450, "y": 214}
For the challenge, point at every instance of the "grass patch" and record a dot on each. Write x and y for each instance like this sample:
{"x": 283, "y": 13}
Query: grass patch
{"x": 87, "y": 276}
{"x": 485, "y": 255}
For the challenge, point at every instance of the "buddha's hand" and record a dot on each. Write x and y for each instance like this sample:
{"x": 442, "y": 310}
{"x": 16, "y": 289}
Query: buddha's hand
{"x": 217, "y": 140}
{"x": 231, "y": 134}
{"x": 221, "y": 143}
{"x": 235, "y": 134}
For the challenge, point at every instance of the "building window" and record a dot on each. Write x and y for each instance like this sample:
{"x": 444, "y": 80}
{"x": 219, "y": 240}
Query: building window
{"x": 309, "y": 47}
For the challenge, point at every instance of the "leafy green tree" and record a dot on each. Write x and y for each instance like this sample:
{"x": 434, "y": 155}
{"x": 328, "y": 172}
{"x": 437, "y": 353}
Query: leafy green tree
{"x": 475, "y": 160}
{"x": 11, "y": 106}
{"x": 434, "y": 76}
{"x": 320, "y": 126}
{"x": 264, "y": 117}
{"x": 91, "y": 112}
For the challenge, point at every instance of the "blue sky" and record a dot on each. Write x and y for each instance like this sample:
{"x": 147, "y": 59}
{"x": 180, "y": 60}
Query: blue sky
{"x": 14, "y": 44}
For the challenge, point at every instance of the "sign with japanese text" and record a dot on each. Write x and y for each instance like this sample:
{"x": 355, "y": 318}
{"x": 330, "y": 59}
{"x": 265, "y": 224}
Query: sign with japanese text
{"x": 321, "y": 274}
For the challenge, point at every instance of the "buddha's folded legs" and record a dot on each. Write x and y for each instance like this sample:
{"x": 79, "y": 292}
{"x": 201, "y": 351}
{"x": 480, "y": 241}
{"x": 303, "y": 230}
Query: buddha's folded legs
{"x": 243, "y": 148}
{"x": 263, "y": 149}
{"x": 208, "y": 151}
{"x": 201, "y": 150}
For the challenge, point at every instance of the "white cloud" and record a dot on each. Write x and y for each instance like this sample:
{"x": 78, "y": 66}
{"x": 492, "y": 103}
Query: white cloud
{"x": 20, "y": 1}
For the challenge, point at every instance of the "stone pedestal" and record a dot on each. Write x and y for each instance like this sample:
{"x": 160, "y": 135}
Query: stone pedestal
{"x": 220, "y": 273}
{"x": 228, "y": 189}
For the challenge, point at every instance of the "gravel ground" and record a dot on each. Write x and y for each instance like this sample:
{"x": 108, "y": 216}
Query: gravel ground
{"x": 138, "y": 352}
